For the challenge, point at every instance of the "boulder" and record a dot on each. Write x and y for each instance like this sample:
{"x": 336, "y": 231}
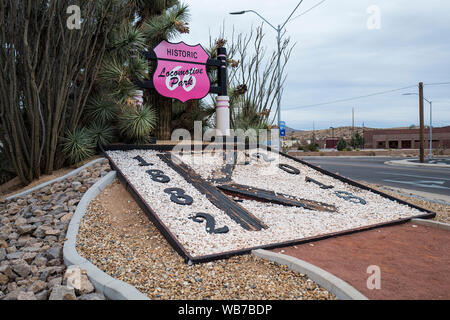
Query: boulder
{"x": 23, "y": 269}
{"x": 74, "y": 278}
{"x": 53, "y": 253}
{"x": 25, "y": 228}
{"x": 38, "y": 286}
{"x": 3, "y": 279}
{"x": 62, "y": 293}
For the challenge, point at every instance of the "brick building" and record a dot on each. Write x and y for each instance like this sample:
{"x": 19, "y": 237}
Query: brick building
{"x": 406, "y": 138}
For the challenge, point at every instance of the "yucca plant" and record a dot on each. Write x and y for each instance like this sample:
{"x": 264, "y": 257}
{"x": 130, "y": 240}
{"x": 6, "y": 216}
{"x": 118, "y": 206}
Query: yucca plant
{"x": 100, "y": 110}
{"x": 101, "y": 134}
{"x": 136, "y": 123}
{"x": 77, "y": 145}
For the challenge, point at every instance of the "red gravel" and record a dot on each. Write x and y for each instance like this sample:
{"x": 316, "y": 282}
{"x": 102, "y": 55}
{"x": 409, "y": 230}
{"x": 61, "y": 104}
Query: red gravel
{"x": 414, "y": 260}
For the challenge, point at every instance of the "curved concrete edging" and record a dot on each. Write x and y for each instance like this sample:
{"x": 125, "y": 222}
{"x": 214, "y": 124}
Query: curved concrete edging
{"x": 432, "y": 223}
{"x": 112, "y": 288}
{"x": 407, "y": 163}
{"x": 333, "y": 284}
{"x": 72, "y": 173}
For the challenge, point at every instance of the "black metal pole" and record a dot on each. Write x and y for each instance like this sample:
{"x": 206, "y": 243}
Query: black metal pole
{"x": 222, "y": 72}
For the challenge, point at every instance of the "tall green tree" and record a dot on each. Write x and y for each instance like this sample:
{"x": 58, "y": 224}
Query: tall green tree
{"x": 113, "y": 104}
{"x": 47, "y": 73}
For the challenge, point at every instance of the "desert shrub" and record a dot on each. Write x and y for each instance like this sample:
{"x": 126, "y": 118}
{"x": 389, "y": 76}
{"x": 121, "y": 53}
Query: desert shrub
{"x": 101, "y": 134}
{"x": 312, "y": 147}
{"x": 137, "y": 123}
{"x": 78, "y": 145}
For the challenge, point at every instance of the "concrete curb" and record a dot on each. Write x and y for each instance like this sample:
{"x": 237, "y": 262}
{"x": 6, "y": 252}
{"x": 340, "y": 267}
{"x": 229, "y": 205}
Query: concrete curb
{"x": 432, "y": 223}
{"x": 337, "y": 286}
{"x": 407, "y": 163}
{"x": 72, "y": 173}
{"x": 112, "y": 288}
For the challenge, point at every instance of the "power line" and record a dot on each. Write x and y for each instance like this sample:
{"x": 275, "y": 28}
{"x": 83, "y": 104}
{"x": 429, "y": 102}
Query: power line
{"x": 305, "y": 12}
{"x": 350, "y": 99}
{"x": 437, "y": 84}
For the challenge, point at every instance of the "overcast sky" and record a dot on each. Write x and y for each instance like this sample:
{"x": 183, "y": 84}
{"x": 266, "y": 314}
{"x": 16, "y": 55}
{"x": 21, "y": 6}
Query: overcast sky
{"x": 337, "y": 56}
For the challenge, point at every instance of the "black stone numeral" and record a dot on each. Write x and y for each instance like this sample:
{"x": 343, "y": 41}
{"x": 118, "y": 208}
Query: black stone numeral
{"x": 350, "y": 197}
{"x": 210, "y": 223}
{"x": 158, "y": 176}
{"x": 179, "y": 196}
{"x": 320, "y": 184}
{"x": 142, "y": 162}
{"x": 289, "y": 169}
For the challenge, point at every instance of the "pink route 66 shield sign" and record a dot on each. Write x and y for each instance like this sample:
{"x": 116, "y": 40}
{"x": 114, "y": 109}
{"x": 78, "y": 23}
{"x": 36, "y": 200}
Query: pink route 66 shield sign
{"x": 181, "y": 71}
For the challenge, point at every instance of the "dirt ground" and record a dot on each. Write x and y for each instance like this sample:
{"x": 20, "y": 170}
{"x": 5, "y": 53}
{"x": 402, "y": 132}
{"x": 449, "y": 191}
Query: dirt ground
{"x": 119, "y": 239}
{"x": 414, "y": 261}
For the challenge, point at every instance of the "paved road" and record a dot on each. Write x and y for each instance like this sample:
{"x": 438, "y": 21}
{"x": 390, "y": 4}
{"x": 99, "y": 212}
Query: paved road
{"x": 373, "y": 170}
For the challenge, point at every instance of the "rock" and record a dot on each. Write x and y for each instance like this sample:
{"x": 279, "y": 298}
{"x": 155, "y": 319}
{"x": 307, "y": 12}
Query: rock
{"x": 3, "y": 244}
{"x": 43, "y": 295}
{"x": 20, "y": 221}
{"x": 2, "y": 254}
{"x": 57, "y": 209}
{"x": 38, "y": 285}
{"x": 40, "y": 261}
{"x": 13, "y": 295}
{"x": 38, "y": 213}
{"x": 15, "y": 255}
{"x": 76, "y": 185}
{"x": 92, "y": 296}
{"x": 53, "y": 253}
{"x": 54, "y": 282}
{"x": 74, "y": 278}
{"x": 3, "y": 279}
{"x": 6, "y": 270}
{"x": 22, "y": 269}
{"x": 67, "y": 218}
{"x": 25, "y": 229}
{"x": 62, "y": 293}
{"x": 11, "y": 249}
{"x": 3, "y": 236}
{"x": 40, "y": 232}
{"x": 13, "y": 236}
{"x": 29, "y": 256}
{"x": 52, "y": 232}
{"x": 26, "y": 296}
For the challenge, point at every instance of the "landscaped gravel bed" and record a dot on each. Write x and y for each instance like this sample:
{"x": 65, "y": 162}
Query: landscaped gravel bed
{"x": 285, "y": 223}
{"x": 119, "y": 239}
{"x": 32, "y": 233}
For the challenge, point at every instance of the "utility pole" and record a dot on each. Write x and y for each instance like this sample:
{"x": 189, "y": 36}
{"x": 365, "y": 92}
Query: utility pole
{"x": 422, "y": 126}
{"x": 353, "y": 121}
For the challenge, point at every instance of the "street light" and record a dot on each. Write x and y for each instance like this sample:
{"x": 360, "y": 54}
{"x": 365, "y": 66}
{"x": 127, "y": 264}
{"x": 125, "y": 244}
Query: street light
{"x": 278, "y": 30}
{"x": 431, "y": 121}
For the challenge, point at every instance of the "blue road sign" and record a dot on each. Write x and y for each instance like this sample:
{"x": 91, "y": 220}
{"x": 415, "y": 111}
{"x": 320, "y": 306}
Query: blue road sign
{"x": 282, "y": 129}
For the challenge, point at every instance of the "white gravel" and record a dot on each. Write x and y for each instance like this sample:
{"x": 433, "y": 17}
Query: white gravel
{"x": 285, "y": 223}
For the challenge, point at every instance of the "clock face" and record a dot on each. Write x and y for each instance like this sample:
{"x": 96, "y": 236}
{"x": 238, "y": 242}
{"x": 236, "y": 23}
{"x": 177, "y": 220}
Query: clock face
{"x": 221, "y": 201}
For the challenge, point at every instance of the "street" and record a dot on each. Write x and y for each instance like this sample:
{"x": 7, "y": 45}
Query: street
{"x": 373, "y": 170}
